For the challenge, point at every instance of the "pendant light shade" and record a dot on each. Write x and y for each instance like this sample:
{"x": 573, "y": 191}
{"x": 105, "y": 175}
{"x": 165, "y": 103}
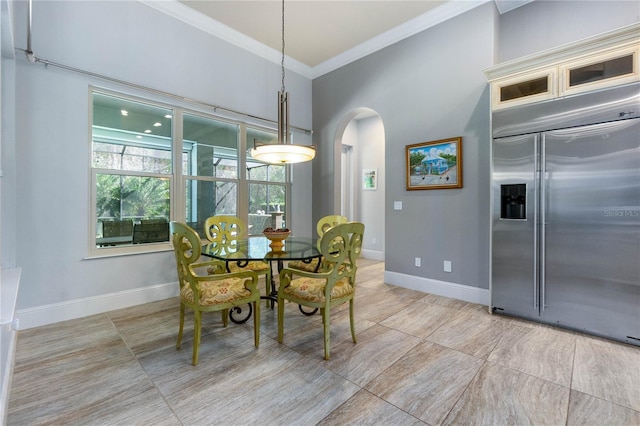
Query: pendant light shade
{"x": 283, "y": 152}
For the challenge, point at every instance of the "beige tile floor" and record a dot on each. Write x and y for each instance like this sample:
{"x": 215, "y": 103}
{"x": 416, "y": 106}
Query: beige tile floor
{"x": 420, "y": 359}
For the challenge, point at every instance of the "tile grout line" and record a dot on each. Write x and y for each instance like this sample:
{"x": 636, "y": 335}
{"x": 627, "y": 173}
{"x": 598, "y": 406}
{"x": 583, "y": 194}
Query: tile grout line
{"x": 153, "y": 383}
{"x": 573, "y": 366}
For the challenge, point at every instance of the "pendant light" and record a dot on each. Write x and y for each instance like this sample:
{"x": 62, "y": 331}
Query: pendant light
{"x": 283, "y": 152}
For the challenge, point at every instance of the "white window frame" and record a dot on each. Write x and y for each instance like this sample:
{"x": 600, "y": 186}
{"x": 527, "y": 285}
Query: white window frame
{"x": 177, "y": 181}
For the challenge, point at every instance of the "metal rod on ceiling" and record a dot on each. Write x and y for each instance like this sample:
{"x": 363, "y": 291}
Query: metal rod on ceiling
{"x": 156, "y": 91}
{"x": 32, "y": 58}
{"x": 29, "y": 52}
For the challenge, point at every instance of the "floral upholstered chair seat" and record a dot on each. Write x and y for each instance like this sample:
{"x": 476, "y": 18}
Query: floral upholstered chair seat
{"x": 332, "y": 285}
{"x": 312, "y": 266}
{"x": 217, "y": 292}
{"x": 313, "y": 289}
{"x": 256, "y": 266}
{"x": 225, "y": 230}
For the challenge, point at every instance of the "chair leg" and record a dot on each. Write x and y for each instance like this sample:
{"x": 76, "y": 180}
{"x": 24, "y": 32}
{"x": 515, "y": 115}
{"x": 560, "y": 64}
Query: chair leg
{"x": 353, "y": 327}
{"x": 179, "y": 343}
{"x": 326, "y": 320}
{"x": 268, "y": 288}
{"x": 225, "y": 317}
{"x": 280, "y": 319}
{"x": 256, "y": 323}
{"x": 197, "y": 323}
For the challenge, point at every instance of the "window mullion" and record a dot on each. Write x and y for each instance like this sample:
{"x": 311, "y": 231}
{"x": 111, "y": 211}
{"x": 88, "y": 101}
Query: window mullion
{"x": 178, "y": 181}
{"x": 243, "y": 185}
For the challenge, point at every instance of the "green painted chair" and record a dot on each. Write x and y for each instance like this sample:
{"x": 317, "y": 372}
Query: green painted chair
{"x": 225, "y": 229}
{"x": 220, "y": 291}
{"x": 336, "y": 284}
{"x": 322, "y": 226}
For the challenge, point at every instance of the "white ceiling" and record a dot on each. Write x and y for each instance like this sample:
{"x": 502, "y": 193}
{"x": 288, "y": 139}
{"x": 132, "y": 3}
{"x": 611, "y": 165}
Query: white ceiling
{"x": 315, "y": 31}
{"x": 320, "y": 35}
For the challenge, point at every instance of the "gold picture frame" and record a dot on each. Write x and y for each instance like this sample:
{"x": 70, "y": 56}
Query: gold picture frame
{"x": 434, "y": 165}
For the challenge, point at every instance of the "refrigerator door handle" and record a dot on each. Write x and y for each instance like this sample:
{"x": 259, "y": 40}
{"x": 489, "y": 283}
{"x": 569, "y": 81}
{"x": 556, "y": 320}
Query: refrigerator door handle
{"x": 543, "y": 219}
{"x": 536, "y": 178}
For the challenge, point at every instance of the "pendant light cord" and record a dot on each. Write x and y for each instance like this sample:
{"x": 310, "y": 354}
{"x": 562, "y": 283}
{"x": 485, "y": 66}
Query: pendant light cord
{"x": 283, "y": 47}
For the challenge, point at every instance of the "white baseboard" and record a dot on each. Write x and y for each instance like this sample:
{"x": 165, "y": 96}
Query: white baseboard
{"x": 56, "y": 312}
{"x": 372, "y": 254}
{"x": 441, "y": 288}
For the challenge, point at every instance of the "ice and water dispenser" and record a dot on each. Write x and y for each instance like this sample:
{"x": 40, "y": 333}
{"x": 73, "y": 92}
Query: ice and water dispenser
{"x": 513, "y": 201}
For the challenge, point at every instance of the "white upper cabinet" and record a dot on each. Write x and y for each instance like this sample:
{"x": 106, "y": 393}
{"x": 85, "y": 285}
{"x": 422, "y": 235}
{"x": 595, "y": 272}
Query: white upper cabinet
{"x": 524, "y": 88}
{"x": 610, "y": 59}
{"x": 609, "y": 68}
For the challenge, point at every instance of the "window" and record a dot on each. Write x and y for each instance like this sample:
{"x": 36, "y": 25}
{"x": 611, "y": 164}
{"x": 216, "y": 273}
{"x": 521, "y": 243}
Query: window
{"x": 132, "y": 165}
{"x": 267, "y": 192}
{"x": 211, "y": 169}
{"x": 153, "y": 163}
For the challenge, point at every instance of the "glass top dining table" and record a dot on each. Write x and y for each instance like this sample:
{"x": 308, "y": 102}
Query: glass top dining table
{"x": 257, "y": 248}
{"x": 244, "y": 250}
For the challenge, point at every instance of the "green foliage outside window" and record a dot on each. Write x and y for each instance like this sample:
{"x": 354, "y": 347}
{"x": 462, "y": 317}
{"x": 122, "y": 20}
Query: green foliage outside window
{"x": 120, "y": 196}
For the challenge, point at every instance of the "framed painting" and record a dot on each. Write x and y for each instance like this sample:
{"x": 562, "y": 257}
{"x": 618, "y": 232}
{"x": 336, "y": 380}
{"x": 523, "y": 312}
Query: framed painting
{"x": 434, "y": 165}
{"x": 370, "y": 179}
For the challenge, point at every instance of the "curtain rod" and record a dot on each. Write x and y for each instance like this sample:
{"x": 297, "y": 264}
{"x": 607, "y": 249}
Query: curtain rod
{"x": 33, "y": 59}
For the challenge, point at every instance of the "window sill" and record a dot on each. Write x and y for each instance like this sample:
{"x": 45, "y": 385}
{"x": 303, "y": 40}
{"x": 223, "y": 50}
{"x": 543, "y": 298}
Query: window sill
{"x": 100, "y": 253}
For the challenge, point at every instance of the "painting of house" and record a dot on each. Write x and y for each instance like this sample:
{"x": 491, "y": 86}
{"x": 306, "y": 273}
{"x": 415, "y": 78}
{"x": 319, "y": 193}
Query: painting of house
{"x": 434, "y": 165}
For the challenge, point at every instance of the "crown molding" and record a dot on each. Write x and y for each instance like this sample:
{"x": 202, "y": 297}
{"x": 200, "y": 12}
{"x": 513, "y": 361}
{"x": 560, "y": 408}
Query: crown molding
{"x": 198, "y": 20}
{"x": 202, "y": 22}
{"x": 414, "y": 26}
{"x": 505, "y": 6}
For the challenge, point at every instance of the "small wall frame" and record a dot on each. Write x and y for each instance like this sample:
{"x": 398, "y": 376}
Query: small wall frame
{"x": 370, "y": 179}
{"x": 434, "y": 165}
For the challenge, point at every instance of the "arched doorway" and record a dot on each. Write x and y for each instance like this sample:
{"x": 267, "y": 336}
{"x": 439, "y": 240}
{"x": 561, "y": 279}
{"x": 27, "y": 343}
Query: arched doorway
{"x": 360, "y": 170}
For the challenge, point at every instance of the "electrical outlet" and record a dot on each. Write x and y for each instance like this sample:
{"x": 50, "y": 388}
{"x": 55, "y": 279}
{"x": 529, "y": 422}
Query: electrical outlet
{"x": 418, "y": 262}
{"x": 447, "y": 266}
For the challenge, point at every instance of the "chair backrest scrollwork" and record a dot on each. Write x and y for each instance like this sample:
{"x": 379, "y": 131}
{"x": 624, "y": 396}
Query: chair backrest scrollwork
{"x": 225, "y": 230}
{"x": 340, "y": 247}
{"x": 187, "y": 250}
{"x": 327, "y": 222}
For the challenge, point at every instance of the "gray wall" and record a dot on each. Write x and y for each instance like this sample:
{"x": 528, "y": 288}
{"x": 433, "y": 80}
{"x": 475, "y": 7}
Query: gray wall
{"x": 430, "y": 87}
{"x": 130, "y": 41}
{"x": 545, "y": 24}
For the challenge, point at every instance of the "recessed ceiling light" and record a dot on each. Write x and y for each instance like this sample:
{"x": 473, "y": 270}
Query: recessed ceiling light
{"x": 147, "y": 131}
{"x": 124, "y": 112}
{"x": 139, "y": 137}
{"x": 167, "y": 116}
{"x": 156, "y": 124}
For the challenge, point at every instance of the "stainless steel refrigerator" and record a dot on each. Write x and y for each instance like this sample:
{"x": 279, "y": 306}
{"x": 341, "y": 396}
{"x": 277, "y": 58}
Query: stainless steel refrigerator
{"x": 566, "y": 213}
